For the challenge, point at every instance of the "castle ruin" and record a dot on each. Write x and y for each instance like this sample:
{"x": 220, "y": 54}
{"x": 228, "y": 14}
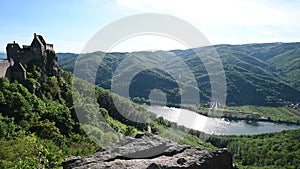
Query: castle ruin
{"x": 38, "y": 53}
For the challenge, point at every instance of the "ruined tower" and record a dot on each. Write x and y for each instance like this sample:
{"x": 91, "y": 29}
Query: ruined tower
{"x": 38, "y": 53}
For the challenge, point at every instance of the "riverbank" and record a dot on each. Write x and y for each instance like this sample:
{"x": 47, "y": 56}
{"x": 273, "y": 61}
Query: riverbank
{"x": 217, "y": 126}
{"x": 280, "y": 115}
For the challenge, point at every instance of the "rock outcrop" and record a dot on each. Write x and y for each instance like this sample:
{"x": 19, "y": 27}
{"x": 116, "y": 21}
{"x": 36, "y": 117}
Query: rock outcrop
{"x": 152, "y": 152}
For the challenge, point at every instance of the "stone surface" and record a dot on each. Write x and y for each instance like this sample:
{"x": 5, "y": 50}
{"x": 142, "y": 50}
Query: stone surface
{"x": 4, "y": 65}
{"x": 152, "y": 152}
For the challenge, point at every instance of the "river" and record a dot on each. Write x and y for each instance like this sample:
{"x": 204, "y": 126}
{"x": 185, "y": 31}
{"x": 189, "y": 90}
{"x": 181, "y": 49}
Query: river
{"x": 218, "y": 126}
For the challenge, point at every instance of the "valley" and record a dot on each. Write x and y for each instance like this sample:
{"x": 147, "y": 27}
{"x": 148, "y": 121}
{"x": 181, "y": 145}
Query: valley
{"x": 262, "y": 83}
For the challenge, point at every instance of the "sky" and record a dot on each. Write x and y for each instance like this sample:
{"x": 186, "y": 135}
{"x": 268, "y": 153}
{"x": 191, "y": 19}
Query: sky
{"x": 69, "y": 24}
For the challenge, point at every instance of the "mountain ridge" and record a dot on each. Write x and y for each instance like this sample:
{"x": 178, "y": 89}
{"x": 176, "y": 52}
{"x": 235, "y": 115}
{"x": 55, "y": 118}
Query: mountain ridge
{"x": 256, "y": 74}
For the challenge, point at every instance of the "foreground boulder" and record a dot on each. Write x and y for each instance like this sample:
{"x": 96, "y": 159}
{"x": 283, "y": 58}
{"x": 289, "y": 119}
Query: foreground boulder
{"x": 152, "y": 152}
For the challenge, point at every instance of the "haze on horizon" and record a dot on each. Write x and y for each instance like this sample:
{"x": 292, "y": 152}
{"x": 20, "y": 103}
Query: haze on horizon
{"x": 70, "y": 24}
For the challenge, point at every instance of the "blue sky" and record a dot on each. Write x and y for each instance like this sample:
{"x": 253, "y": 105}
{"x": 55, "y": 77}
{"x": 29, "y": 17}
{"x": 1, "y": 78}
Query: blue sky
{"x": 69, "y": 24}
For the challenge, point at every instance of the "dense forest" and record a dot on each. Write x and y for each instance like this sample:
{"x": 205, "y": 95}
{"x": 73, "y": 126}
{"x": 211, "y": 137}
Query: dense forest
{"x": 270, "y": 150}
{"x": 38, "y": 124}
{"x": 256, "y": 74}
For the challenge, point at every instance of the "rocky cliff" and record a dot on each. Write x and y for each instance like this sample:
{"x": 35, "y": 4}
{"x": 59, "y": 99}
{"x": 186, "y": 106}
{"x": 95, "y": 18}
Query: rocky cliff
{"x": 152, "y": 152}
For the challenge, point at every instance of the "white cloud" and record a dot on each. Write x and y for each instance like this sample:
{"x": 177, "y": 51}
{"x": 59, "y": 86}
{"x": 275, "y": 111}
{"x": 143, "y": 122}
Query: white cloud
{"x": 231, "y": 21}
{"x": 148, "y": 43}
{"x": 229, "y": 11}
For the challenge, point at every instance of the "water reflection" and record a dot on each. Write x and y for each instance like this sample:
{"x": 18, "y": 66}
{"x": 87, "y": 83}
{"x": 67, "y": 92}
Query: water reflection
{"x": 216, "y": 126}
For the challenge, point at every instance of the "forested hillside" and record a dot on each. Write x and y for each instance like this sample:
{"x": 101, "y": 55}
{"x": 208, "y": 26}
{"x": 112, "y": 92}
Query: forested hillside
{"x": 256, "y": 74}
{"x": 44, "y": 120}
{"x": 270, "y": 150}
{"x": 39, "y": 126}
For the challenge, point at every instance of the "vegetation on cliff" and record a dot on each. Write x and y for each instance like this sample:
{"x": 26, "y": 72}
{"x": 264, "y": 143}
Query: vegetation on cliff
{"x": 39, "y": 126}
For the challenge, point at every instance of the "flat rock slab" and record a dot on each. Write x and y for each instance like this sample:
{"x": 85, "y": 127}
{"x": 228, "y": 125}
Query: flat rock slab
{"x": 152, "y": 152}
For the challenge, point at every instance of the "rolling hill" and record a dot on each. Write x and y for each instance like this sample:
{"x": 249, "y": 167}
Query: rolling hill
{"x": 256, "y": 74}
